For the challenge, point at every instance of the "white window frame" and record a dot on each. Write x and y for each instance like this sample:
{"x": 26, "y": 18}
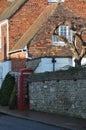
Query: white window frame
{"x": 56, "y": 42}
{"x": 54, "y": 39}
{"x": 66, "y": 31}
{"x": 69, "y": 33}
{"x": 53, "y": 1}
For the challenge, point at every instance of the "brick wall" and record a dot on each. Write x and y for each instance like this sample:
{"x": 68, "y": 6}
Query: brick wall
{"x": 18, "y": 61}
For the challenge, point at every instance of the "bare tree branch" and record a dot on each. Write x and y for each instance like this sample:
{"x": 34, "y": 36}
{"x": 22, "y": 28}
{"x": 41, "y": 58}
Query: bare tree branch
{"x": 78, "y": 53}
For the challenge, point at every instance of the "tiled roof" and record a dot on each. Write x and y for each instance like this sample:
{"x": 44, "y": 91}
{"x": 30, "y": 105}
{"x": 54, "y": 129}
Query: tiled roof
{"x": 77, "y": 6}
{"x": 3, "y": 5}
{"x": 10, "y": 10}
{"x": 36, "y": 26}
{"x": 32, "y": 30}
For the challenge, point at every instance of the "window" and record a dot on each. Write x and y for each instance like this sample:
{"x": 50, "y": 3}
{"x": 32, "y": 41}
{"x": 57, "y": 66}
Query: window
{"x": 65, "y": 32}
{"x": 55, "y": 1}
{"x": 54, "y": 39}
{"x": 56, "y": 42}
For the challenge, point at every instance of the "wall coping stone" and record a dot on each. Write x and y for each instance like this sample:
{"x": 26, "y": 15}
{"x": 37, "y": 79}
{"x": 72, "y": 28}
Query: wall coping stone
{"x": 71, "y": 74}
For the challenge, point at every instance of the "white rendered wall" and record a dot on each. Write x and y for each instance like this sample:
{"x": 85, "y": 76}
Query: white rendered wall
{"x": 5, "y": 67}
{"x": 47, "y": 65}
{"x": 83, "y": 62}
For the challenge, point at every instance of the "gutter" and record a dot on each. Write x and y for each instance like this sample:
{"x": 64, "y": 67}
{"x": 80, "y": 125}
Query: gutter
{"x": 15, "y": 51}
{"x": 25, "y": 49}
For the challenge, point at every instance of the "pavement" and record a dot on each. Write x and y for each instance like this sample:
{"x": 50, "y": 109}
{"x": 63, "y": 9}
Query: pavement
{"x": 68, "y": 123}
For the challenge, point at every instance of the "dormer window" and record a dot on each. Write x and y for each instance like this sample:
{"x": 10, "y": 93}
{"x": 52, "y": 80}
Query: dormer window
{"x": 54, "y": 39}
{"x": 56, "y": 42}
{"x": 53, "y": 1}
{"x": 63, "y": 31}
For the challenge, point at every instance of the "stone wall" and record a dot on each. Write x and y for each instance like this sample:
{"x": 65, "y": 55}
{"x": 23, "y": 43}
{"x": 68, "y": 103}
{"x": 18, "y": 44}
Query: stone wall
{"x": 64, "y": 96}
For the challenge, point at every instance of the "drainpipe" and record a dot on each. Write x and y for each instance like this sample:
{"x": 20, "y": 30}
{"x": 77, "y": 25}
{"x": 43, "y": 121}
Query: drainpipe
{"x": 27, "y": 52}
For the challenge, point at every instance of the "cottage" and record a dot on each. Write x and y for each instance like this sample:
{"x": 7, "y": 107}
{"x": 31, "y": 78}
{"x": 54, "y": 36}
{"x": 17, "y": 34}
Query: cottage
{"x": 27, "y": 34}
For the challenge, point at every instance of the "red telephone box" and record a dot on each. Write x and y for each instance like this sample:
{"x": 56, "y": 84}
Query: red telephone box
{"x": 23, "y": 92}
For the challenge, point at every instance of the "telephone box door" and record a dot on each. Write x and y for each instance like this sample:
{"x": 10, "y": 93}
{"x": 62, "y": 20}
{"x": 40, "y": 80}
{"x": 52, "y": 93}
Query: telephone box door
{"x": 23, "y": 91}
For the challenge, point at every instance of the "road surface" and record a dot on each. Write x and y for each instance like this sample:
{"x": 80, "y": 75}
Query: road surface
{"x": 13, "y": 123}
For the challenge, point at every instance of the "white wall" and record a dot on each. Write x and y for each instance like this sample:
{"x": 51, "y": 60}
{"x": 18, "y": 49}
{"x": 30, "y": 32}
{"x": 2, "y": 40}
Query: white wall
{"x": 5, "y": 67}
{"x": 83, "y": 62}
{"x": 47, "y": 65}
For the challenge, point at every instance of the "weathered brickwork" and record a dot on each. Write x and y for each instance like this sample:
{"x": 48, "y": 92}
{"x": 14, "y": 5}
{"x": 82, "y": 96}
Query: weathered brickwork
{"x": 18, "y": 61}
{"x": 59, "y": 96}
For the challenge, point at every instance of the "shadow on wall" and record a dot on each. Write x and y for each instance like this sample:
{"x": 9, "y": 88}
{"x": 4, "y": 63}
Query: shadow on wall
{"x": 18, "y": 64}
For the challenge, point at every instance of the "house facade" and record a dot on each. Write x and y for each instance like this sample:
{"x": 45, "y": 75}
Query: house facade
{"x": 26, "y": 33}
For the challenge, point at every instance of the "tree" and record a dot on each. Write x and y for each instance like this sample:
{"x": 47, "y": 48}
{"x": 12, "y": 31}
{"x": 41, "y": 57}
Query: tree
{"x": 78, "y": 44}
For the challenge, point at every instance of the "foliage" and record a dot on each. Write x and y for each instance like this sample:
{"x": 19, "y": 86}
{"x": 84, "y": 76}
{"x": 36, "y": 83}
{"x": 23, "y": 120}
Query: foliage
{"x": 13, "y": 98}
{"x": 6, "y": 89}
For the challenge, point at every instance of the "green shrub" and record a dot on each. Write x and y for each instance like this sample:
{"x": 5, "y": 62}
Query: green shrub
{"x": 13, "y": 98}
{"x": 6, "y": 89}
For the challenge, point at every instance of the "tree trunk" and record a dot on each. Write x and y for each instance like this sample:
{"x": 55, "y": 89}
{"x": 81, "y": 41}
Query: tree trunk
{"x": 77, "y": 62}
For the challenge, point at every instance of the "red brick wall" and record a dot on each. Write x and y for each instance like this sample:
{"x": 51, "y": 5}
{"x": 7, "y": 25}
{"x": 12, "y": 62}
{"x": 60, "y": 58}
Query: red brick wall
{"x": 18, "y": 61}
{"x": 3, "y": 50}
